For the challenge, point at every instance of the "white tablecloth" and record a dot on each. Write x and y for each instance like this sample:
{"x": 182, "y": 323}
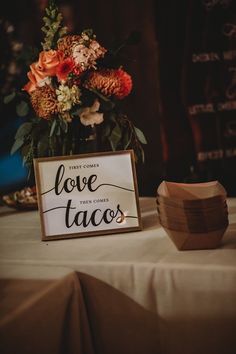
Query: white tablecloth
{"x": 140, "y": 294}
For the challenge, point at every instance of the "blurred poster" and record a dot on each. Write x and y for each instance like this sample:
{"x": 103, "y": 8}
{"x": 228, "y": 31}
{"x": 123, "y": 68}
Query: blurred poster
{"x": 210, "y": 87}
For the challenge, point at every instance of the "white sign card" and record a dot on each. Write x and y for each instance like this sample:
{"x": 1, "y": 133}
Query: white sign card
{"x": 83, "y": 195}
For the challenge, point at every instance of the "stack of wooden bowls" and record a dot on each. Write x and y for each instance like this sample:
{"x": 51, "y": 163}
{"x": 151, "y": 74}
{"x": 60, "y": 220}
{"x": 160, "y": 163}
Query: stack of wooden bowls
{"x": 195, "y": 216}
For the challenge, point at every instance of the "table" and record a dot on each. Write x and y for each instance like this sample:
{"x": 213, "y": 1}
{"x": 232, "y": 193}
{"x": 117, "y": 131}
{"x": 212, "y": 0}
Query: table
{"x": 131, "y": 293}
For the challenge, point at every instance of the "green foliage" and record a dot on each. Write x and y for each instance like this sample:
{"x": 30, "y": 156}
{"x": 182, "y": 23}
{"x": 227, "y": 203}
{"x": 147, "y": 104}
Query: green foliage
{"x": 21, "y": 136}
{"x": 140, "y": 135}
{"x": 17, "y": 145}
{"x": 41, "y": 138}
{"x": 127, "y": 139}
{"x": 43, "y": 145}
{"x": 9, "y": 98}
{"x": 22, "y": 109}
{"x": 121, "y": 134}
{"x": 115, "y": 137}
{"x": 53, "y": 127}
{"x": 63, "y": 125}
{"x": 106, "y": 103}
{"x": 24, "y": 130}
{"x": 27, "y": 152}
{"x": 53, "y": 27}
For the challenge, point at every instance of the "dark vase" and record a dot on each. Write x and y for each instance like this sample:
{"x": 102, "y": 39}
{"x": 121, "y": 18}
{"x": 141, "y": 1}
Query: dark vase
{"x": 85, "y": 138}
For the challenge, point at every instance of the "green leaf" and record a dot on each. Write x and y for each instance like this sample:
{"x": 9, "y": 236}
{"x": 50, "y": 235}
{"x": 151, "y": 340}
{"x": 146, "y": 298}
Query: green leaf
{"x": 54, "y": 123}
{"x": 140, "y": 135}
{"x": 30, "y": 171}
{"x": 58, "y": 130}
{"x": 25, "y": 149}
{"x": 17, "y": 145}
{"x": 127, "y": 139}
{"x": 25, "y": 152}
{"x": 142, "y": 154}
{"x": 65, "y": 147}
{"x": 7, "y": 99}
{"x": 99, "y": 94}
{"x": 107, "y": 105}
{"x": 106, "y": 130}
{"x": 112, "y": 145}
{"x": 43, "y": 146}
{"x": 115, "y": 137}
{"x": 23, "y": 130}
{"x": 64, "y": 125}
{"x": 112, "y": 117}
{"x": 24, "y": 161}
{"x": 22, "y": 109}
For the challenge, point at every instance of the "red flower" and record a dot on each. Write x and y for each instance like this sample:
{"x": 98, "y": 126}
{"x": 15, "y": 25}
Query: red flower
{"x": 110, "y": 82}
{"x": 125, "y": 83}
{"x": 64, "y": 69}
{"x": 77, "y": 71}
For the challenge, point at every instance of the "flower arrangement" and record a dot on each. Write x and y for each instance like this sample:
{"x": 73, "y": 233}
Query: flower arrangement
{"x": 72, "y": 97}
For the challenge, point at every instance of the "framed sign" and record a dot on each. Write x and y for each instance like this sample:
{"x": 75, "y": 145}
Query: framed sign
{"x": 86, "y": 195}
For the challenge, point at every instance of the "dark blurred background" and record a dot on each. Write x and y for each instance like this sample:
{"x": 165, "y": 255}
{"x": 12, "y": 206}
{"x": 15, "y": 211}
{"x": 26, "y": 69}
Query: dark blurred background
{"x": 184, "y": 75}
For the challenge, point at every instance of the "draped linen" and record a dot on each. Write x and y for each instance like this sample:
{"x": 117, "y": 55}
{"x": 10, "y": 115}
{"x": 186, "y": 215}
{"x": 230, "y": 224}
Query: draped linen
{"x": 124, "y": 293}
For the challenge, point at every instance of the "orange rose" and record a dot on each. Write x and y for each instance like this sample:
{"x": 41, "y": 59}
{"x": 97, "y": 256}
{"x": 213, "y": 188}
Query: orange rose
{"x": 37, "y": 73}
{"x": 32, "y": 84}
{"x": 45, "y": 67}
{"x": 49, "y": 60}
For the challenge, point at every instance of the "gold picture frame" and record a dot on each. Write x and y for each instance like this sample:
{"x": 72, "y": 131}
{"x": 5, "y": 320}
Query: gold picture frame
{"x": 87, "y": 195}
